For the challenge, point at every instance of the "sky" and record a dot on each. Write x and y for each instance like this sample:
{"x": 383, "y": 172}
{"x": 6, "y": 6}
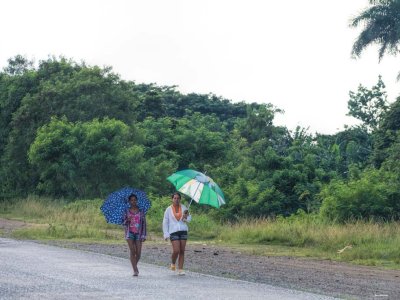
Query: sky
{"x": 293, "y": 54}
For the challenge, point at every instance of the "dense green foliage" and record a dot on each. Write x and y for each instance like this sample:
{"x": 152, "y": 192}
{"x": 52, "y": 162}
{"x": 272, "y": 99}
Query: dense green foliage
{"x": 373, "y": 193}
{"x": 77, "y": 159}
{"x": 71, "y": 131}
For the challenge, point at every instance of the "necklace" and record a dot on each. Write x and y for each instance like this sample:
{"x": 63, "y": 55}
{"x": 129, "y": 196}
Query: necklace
{"x": 177, "y": 215}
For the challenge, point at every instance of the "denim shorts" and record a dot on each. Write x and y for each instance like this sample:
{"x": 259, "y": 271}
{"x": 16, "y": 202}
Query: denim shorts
{"x": 179, "y": 236}
{"x": 134, "y": 236}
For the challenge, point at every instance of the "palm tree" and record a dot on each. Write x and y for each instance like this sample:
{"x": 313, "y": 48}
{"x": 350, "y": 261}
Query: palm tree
{"x": 381, "y": 26}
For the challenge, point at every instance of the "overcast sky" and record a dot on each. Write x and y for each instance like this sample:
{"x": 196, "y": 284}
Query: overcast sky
{"x": 293, "y": 54}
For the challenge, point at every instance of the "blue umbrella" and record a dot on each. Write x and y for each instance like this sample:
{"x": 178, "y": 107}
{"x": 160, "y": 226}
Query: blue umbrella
{"x": 116, "y": 204}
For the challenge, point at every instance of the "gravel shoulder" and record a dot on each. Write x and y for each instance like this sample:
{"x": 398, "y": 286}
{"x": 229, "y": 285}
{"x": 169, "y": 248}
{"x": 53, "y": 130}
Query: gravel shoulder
{"x": 319, "y": 276}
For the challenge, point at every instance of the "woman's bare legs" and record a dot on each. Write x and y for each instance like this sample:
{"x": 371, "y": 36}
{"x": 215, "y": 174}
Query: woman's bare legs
{"x": 181, "y": 260}
{"x": 133, "y": 249}
{"x": 138, "y": 245}
{"x": 176, "y": 245}
{"x": 178, "y": 253}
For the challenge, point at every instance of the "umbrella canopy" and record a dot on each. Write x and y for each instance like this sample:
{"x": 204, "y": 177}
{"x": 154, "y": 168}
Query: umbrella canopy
{"x": 116, "y": 204}
{"x": 198, "y": 186}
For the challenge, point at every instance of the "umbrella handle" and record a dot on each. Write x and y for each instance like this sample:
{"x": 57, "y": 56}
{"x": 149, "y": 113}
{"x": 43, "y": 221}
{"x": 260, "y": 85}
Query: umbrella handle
{"x": 190, "y": 203}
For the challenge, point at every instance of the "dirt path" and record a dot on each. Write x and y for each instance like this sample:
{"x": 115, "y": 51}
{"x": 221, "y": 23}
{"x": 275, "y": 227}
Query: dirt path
{"x": 7, "y": 226}
{"x": 320, "y": 276}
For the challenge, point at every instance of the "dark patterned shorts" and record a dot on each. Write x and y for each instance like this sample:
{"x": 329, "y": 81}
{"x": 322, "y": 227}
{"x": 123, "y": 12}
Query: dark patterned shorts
{"x": 134, "y": 236}
{"x": 179, "y": 236}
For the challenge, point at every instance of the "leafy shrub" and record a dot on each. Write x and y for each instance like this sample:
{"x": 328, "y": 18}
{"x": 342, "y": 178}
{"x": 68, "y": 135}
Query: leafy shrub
{"x": 375, "y": 195}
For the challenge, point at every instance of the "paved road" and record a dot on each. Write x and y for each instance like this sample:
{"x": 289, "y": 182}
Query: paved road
{"x": 33, "y": 271}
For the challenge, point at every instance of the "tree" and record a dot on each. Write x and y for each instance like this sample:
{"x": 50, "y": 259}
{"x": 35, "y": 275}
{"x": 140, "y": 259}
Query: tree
{"x": 369, "y": 106}
{"x": 259, "y": 123}
{"x": 381, "y": 26}
{"x": 386, "y": 134}
{"x": 59, "y": 87}
{"x": 87, "y": 159}
{"x": 18, "y": 65}
{"x": 14, "y": 86}
{"x": 152, "y": 104}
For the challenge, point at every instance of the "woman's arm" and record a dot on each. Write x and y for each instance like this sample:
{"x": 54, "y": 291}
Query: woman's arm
{"x": 126, "y": 220}
{"x": 187, "y": 216}
{"x": 166, "y": 224}
{"x": 144, "y": 228}
{"x": 126, "y": 225}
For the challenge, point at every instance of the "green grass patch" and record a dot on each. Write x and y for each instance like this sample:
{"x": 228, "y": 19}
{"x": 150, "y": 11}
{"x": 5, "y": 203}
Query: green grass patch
{"x": 360, "y": 242}
{"x": 60, "y": 220}
{"x": 83, "y": 220}
{"x": 302, "y": 235}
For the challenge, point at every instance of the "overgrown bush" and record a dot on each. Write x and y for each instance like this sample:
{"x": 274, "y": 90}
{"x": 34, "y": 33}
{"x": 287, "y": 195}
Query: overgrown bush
{"x": 374, "y": 195}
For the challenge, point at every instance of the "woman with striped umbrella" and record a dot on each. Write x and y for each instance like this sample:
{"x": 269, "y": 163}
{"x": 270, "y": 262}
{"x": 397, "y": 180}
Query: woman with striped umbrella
{"x": 175, "y": 228}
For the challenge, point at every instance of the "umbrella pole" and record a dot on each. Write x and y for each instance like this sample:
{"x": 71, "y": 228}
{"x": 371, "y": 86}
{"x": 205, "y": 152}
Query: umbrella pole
{"x": 193, "y": 196}
{"x": 191, "y": 199}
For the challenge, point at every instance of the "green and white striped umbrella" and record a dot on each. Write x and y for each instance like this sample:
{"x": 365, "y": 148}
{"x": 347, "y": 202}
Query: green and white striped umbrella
{"x": 198, "y": 186}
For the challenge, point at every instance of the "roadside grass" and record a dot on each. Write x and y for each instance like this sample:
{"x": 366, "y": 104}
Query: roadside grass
{"x": 78, "y": 220}
{"x": 360, "y": 242}
{"x": 301, "y": 235}
{"x": 82, "y": 220}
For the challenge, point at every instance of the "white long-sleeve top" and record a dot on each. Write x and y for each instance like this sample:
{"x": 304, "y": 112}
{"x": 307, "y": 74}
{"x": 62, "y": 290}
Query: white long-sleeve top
{"x": 171, "y": 224}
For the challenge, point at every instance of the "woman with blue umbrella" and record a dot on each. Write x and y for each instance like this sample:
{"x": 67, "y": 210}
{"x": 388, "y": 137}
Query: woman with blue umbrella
{"x": 135, "y": 232}
{"x": 128, "y": 207}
